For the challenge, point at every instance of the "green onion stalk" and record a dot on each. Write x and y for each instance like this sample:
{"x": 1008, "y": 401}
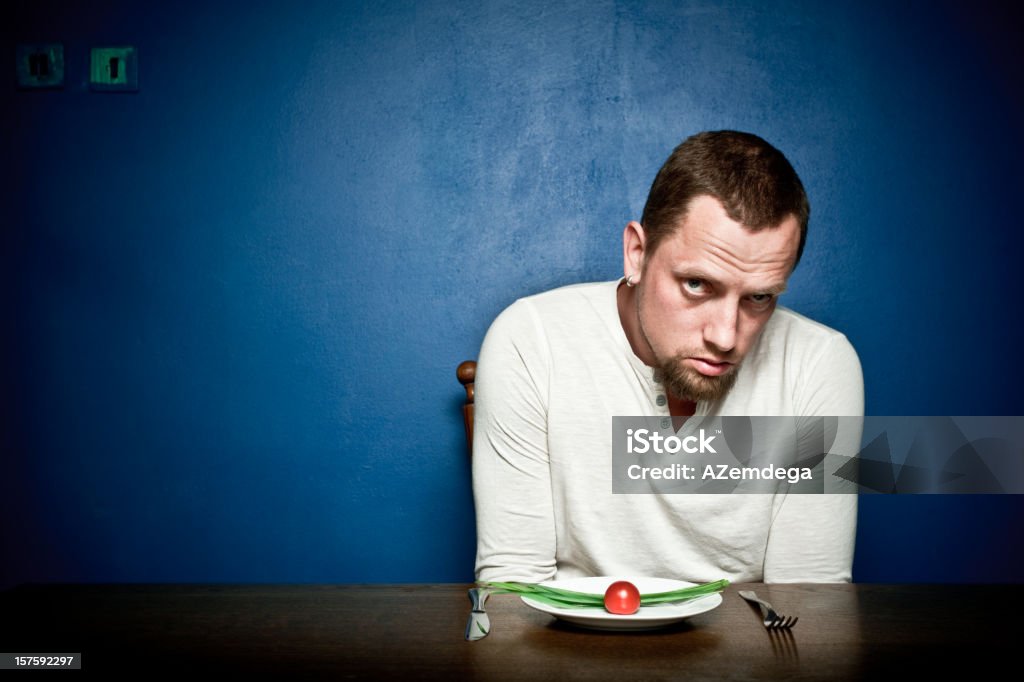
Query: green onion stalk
{"x": 554, "y": 596}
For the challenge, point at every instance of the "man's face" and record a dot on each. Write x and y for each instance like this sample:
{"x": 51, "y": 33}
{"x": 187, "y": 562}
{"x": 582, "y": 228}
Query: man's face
{"x": 706, "y": 293}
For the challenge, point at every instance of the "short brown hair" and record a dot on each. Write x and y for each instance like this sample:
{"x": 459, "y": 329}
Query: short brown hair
{"x": 755, "y": 183}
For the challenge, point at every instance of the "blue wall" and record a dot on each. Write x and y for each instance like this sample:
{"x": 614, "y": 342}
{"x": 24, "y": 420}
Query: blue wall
{"x": 234, "y": 301}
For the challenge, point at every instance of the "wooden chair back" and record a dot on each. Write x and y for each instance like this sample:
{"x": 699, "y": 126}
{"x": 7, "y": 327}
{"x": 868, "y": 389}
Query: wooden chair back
{"x": 467, "y": 375}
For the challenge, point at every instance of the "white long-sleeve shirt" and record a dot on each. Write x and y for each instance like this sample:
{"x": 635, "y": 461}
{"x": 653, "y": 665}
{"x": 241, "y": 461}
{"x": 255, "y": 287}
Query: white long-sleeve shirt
{"x": 555, "y": 367}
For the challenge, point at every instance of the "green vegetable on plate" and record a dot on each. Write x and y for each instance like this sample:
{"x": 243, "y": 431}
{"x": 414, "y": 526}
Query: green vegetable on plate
{"x": 554, "y": 596}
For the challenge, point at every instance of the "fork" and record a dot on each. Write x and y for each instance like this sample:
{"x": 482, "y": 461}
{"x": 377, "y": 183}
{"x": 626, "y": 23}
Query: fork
{"x": 773, "y": 620}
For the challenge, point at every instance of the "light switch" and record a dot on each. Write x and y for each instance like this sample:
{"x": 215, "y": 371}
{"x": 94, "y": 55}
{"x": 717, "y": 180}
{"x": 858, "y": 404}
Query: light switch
{"x": 114, "y": 69}
{"x": 40, "y": 66}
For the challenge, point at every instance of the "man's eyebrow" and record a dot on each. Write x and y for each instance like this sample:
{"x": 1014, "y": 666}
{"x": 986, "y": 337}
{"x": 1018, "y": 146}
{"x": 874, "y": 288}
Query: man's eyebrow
{"x": 776, "y": 289}
{"x": 691, "y": 273}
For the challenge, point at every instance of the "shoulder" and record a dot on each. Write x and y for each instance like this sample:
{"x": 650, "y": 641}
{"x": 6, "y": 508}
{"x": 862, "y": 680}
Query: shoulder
{"x": 562, "y": 308}
{"x": 569, "y": 298}
{"x": 530, "y": 339}
{"x": 818, "y": 364}
{"x": 789, "y": 323}
{"x": 556, "y": 329}
{"x": 797, "y": 338}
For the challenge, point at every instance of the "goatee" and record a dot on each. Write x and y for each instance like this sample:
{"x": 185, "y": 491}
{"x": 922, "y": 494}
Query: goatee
{"x": 689, "y": 384}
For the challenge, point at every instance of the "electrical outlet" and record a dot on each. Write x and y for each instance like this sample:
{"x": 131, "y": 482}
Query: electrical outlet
{"x": 114, "y": 69}
{"x": 40, "y": 66}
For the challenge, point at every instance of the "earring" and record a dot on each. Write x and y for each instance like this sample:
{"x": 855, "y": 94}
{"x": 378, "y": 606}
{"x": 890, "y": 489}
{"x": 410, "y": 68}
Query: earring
{"x": 629, "y": 281}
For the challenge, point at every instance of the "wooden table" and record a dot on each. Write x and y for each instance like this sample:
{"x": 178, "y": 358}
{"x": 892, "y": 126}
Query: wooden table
{"x": 416, "y": 631}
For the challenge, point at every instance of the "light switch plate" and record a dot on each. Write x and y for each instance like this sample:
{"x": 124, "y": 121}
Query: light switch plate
{"x": 114, "y": 69}
{"x": 40, "y": 66}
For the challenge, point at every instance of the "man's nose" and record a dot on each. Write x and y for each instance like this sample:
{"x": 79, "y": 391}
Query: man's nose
{"x": 720, "y": 328}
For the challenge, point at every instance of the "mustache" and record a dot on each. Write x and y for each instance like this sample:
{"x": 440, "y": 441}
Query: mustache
{"x": 710, "y": 356}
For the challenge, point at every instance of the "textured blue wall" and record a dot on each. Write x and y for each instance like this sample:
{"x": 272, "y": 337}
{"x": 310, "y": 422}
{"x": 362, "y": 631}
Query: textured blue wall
{"x": 234, "y": 301}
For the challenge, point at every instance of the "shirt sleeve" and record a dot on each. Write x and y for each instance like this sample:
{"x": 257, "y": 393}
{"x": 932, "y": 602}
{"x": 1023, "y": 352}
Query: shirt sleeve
{"x": 511, "y": 473}
{"x": 812, "y": 535}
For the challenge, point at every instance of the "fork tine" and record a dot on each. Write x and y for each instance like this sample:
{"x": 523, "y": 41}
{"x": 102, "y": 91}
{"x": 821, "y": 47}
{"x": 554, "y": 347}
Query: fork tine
{"x": 781, "y": 622}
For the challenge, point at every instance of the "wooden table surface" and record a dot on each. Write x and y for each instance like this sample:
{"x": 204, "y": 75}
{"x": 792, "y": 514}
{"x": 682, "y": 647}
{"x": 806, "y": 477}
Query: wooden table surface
{"x": 416, "y": 632}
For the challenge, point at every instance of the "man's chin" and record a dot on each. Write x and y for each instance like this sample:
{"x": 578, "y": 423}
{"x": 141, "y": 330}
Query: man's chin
{"x": 688, "y": 384}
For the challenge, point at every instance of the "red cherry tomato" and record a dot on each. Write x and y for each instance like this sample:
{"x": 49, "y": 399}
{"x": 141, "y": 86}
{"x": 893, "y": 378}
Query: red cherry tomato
{"x": 622, "y": 598}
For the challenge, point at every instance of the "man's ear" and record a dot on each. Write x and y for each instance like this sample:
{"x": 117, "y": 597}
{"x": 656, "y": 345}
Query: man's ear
{"x": 634, "y": 241}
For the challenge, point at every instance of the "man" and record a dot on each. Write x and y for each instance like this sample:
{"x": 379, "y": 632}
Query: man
{"x": 692, "y": 329}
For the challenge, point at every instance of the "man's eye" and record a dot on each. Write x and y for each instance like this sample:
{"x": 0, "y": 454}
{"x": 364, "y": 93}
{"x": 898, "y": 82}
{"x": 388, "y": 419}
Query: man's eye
{"x": 694, "y": 286}
{"x": 761, "y": 299}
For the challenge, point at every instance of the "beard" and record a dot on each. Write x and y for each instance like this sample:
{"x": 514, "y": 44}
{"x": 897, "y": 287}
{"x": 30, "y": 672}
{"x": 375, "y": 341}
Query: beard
{"x": 689, "y": 384}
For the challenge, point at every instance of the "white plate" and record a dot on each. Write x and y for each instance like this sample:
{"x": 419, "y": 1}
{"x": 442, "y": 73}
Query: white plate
{"x": 647, "y": 618}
